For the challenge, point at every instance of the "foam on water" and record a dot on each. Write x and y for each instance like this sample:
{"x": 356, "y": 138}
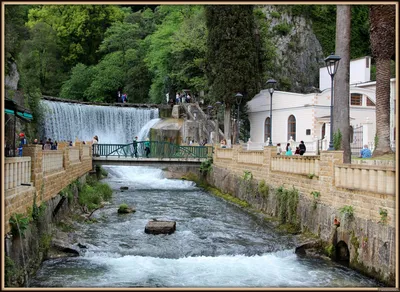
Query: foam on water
{"x": 143, "y": 177}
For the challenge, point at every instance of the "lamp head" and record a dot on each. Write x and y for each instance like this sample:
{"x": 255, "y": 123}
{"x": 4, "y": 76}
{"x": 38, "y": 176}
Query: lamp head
{"x": 239, "y": 97}
{"x": 271, "y": 85}
{"x": 332, "y": 63}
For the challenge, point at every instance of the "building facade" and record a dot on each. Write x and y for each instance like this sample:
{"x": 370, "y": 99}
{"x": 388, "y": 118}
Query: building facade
{"x": 306, "y": 117}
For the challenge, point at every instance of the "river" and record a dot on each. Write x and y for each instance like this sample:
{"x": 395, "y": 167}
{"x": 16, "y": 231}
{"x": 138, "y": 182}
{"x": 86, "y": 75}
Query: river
{"x": 216, "y": 244}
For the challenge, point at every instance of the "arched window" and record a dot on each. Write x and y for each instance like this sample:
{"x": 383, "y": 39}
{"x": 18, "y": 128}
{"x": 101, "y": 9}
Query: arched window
{"x": 267, "y": 132}
{"x": 292, "y": 127}
{"x": 323, "y": 131}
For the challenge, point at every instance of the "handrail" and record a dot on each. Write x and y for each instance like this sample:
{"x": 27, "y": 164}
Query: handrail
{"x": 157, "y": 150}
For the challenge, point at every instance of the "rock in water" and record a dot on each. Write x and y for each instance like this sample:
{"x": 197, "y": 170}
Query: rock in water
{"x": 160, "y": 227}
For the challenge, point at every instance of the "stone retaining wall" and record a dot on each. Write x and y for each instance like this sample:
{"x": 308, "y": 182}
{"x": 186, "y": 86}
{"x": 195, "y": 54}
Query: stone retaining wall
{"x": 371, "y": 244}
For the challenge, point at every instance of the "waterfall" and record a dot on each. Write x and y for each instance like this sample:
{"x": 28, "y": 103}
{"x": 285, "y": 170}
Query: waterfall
{"x": 68, "y": 121}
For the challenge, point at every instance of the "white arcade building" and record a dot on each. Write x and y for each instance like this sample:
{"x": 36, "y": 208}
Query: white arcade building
{"x": 306, "y": 117}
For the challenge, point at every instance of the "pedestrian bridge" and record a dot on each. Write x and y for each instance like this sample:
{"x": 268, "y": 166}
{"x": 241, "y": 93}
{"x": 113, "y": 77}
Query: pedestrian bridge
{"x": 161, "y": 153}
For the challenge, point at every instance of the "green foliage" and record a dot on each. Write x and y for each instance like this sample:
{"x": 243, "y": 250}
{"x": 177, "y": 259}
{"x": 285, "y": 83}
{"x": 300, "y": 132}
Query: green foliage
{"x": 79, "y": 29}
{"x": 263, "y": 189}
{"x": 347, "y": 210}
{"x": 247, "y": 175}
{"x": 337, "y": 140}
{"x": 19, "y": 224}
{"x": 310, "y": 175}
{"x": 329, "y": 250}
{"x": 376, "y": 141}
{"x": 45, "y": 242}
{"x": 206, "y": 166}
{"x": 287, "y": 205}
{"x": 282, "y": 28}
{"x": 275, "y": 14}
{"x": 316, "y": 197}
{"x": 229, "y": 197}
{"x": 231, "y": 37}
{"x": 384, "y": 215}
{"x": 10, "y": 270}
{"x": 93, "y": 193}
{"x": 65, "y": 227}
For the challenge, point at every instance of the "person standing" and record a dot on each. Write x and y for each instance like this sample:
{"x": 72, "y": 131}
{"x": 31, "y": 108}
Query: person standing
{"x": 22, "y": 142}
{"x": 302, "y": 147}
{"x": 147, "y": 147}
{"x": 135, "y": 147}
{"x": 95, "y": 141}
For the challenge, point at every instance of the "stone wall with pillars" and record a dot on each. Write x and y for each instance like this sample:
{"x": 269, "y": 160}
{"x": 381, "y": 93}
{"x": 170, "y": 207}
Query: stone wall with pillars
{"x": 370, "y": 240}
{"x": 45, "y": 185}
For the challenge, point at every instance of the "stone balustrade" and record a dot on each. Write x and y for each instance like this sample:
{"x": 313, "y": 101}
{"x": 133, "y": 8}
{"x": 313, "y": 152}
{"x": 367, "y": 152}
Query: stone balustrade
{"x": 308, "y": 165}
{"x": 375, "y": 179}
{"x": 45, "y": 173}
{"x": 251, "y": 157}
{"x": 224, "y": 153}
{"x": 366, "y": 187}
{"x": 17, "y": 172}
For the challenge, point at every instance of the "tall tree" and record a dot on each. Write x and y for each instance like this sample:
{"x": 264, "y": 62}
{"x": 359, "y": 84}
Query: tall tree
{"x": 341, "y": 108}
{"x": 80, "y": 28}
{"x": 382, "y": 36}
{"x": 231, "y": 55}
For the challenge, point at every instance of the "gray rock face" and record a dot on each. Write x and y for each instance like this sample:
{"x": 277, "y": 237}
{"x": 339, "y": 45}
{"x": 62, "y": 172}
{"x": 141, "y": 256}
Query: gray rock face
{"x": 11, "y": 80}
{"x": 299, "y": 54}
{"x": 160, "y": 227}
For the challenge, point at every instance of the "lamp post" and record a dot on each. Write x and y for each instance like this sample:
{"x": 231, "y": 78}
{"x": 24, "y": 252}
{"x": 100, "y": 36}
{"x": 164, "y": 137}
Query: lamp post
{"x": 271, "y": 88}
{"x": 332, "y": 63}
{"x": 239, "y": 97}
{"x": 217, "y": 104}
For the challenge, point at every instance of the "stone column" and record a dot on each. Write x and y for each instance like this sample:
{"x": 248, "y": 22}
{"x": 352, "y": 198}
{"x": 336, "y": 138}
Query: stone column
{"x": 328, "y": 159}
{"x": 36, "y": 153}
{"x": 267, "y": 153}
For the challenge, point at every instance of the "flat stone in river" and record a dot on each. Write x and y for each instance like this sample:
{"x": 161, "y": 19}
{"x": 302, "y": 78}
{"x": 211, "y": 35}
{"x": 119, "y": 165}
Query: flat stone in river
{"x": 160, "y": 227}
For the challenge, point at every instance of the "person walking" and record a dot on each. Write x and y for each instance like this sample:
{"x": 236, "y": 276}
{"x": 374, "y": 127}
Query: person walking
{"x": 147, "y": 147}
{"x": 302, "y": 147}
{"x": 135, "y": 153}
{"x": 22, "y": 142}
{"x": 95, "y": 141}
{"x": 278, "y": 149}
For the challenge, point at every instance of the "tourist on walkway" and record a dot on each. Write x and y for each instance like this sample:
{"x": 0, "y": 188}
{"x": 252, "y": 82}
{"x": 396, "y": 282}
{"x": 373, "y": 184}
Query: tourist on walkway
{"x": 95, "y": 141}
{"x": 365, "y": 153}
{"x": 223, "y": 143}
{"x": 35, "y": 141}
{"x": 288, "y": 150}
{"x": 302, "y": 148}
{"x": 147, "y": 147}
{"x": 135, "y": 147}
{"x": 54, "y": 146}
{"x": 297, "y": 152}
{"x": 22, "y": 142}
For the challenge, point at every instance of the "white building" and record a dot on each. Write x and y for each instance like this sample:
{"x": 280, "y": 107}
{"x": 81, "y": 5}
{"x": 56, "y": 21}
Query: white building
{"x": 307, "y": 116}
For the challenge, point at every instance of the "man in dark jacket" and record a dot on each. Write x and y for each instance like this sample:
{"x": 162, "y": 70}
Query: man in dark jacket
{"x": 302, "y": 148}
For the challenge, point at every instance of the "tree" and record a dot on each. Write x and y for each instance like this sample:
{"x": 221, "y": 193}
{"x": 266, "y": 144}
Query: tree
{"x": 382, "y": 36}
{"x": 79, "y": 81}
{"x": 341, "y": 107}
{"x": 40, "y": 59}
{"x": 231, "y": 55}
{"x": 80, "y": 28}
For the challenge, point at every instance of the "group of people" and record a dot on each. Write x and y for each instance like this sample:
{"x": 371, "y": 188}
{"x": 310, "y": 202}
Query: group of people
{"x": 300, "y": 150}
{"x": 122, "y": 97}
{"x": 181, "y": 97}
{"x": 147, "y": 149}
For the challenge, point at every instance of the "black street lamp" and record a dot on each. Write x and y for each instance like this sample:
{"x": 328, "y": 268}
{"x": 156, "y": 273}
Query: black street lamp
{"x": 239, "y": 97}
{"x": 271, "y": 88}
{"x": 332, "y": 64}
{"x": 217, "y": 104}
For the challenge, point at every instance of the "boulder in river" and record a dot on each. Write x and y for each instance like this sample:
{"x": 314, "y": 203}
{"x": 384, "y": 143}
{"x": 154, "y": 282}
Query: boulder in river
{"x": 124, "y": 188}
{"x": 160, "y": 227}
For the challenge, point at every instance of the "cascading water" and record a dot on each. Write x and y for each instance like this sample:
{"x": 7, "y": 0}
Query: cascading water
{"x": 68, "y": 121}
{"x": 215, "y": 244}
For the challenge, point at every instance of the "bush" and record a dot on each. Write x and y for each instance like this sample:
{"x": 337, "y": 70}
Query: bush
{"x": 282, "y": 28}
{"x": 19, "y": 223}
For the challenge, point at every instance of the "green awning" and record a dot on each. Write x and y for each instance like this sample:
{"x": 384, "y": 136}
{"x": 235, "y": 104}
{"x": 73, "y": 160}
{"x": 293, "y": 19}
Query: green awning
{"x": 12, "y": 108}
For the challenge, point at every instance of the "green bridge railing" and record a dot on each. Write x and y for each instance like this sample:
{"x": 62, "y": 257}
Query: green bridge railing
{"x": 157, "y": 150}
